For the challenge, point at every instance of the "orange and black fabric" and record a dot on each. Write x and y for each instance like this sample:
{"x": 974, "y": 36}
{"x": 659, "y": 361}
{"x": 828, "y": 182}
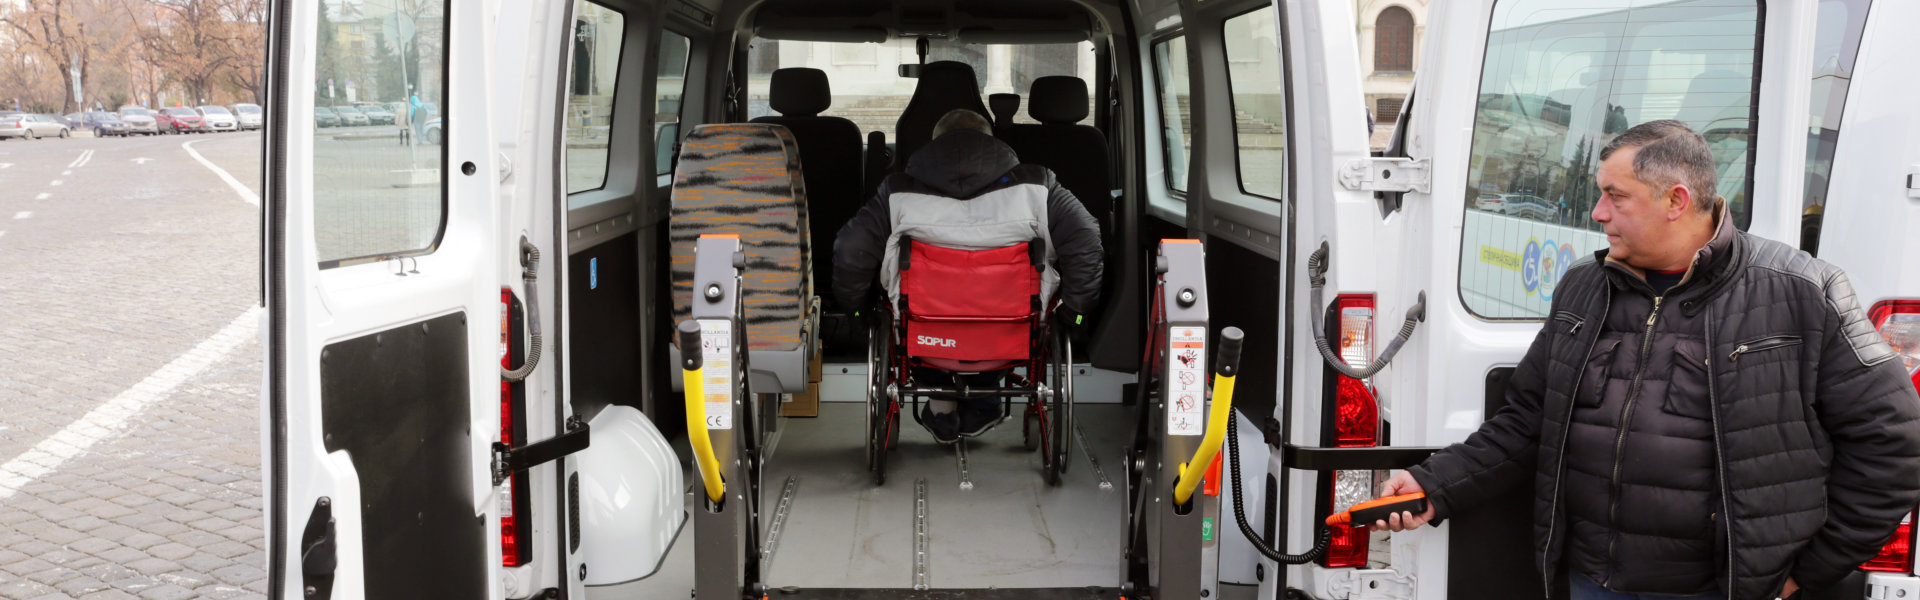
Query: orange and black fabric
{"x": 746, "y": 179}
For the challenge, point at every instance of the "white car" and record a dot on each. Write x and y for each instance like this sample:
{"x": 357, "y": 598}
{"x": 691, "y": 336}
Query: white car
{"x": 139, "y": 120}
{"x": 216, "y": 118}
{"x": 249, "y": 115}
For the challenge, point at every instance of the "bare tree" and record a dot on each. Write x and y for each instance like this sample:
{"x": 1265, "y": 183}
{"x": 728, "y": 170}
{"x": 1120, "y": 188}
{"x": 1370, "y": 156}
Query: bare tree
{"x": 56, "y": 30}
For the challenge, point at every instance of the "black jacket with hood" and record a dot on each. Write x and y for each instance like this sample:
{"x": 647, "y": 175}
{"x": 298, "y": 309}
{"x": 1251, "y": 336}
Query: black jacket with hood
{"x": 965, "y": 165}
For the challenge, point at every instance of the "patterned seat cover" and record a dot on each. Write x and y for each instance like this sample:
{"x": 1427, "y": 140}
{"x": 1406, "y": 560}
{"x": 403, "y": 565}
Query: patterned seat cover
{"x": 745, "y": 179}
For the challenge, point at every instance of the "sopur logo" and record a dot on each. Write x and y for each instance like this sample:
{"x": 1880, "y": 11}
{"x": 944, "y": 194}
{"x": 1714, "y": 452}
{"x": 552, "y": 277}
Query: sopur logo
{"x": 926, "y": 340}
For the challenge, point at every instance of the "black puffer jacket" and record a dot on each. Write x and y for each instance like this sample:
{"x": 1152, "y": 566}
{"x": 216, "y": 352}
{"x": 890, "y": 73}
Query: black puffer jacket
{"x": 1815, "y": 428}
{"x": 964, "y": 165}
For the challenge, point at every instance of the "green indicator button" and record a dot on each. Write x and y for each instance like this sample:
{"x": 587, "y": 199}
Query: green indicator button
{"x": 1206, "y": 529}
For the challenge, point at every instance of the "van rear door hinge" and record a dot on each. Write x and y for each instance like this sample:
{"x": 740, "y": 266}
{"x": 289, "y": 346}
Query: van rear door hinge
{"x": 1370, "y": 584}
{"x": 1394, "y": 174}
{"x": 508, "y": 460}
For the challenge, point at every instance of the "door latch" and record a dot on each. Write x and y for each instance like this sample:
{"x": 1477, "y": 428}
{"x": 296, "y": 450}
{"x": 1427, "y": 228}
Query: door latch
{"x": 1370, "y": 584}
{"x": 508, "y": 460}
{"x": 1393, "y": 174}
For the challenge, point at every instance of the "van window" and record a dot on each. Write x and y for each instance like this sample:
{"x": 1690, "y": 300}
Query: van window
{"x": 1836, "y": 42}
{"x": 1257, "y": 75}
{"x": 598, "y": 34}
{"x": 670, "y": 81}
{"x": 1176, "y": 104}
{"x": 375, "y": 197}
{"x": 1561, "y": 81}
{"x": 868, "y": 90}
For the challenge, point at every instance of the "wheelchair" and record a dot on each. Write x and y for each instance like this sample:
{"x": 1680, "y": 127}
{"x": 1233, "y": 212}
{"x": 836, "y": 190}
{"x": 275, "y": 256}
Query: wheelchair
{"x": 971, "y": 305}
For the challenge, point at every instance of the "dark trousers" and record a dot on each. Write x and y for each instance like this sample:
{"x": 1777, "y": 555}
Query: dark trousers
{"x": 1586, "y": 589}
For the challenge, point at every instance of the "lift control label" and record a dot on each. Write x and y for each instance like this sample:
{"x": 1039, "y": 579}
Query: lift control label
{"x": 716, "y": 350}
{"x": 1187, "y": 381}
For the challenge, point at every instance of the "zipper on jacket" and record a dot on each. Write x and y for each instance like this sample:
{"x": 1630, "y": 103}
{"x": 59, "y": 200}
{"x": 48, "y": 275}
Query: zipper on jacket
{"x": 1777, "y": 341}
{"x": 1560, "y": 470}
{"x": 1570, "y": 319}
{"x": 1620, "y": 441}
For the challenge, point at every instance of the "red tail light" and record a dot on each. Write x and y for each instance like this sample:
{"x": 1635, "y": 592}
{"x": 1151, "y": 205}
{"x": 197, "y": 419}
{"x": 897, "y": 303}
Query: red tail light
{"x": 1899, "y": 323}
{"x": 513, "y": 502}
{"x": 1897, "y": 555}
{"x": 1356, "y": 424}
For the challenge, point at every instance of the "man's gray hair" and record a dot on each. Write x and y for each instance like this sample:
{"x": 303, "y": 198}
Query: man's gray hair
{"x": 961, "y": 118}
{"x": 1671, "y": 153}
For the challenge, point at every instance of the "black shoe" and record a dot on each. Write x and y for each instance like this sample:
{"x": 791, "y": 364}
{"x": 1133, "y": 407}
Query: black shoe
{"x": 945, "y": 427}
{"x": 976, "y": 420}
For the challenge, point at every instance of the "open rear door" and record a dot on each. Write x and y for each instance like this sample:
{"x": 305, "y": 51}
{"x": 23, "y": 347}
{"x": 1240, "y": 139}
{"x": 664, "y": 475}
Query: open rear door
{"x": 1483, "y": 201}
{"x": 382, "y": 262}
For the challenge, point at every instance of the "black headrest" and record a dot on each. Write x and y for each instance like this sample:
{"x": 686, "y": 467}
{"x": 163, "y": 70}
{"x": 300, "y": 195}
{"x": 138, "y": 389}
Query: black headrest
{"x": 1003, "y": 107}
{"x": 1058, "y": 99}
{"x": 799, "y": 92}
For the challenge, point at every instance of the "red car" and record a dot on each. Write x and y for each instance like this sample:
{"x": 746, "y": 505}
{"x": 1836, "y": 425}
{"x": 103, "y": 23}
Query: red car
{"x": 177, "y": 119}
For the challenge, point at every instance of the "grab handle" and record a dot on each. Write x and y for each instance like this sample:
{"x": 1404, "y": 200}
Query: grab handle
{"x": 1226, "y": 367}
{"x": 691, "y": 361}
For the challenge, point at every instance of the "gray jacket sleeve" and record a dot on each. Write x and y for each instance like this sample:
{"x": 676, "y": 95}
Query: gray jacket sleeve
{"x": 857, "y": 250}
{"x": 1868, "y": 408}
{"x": 1076, "y": 248}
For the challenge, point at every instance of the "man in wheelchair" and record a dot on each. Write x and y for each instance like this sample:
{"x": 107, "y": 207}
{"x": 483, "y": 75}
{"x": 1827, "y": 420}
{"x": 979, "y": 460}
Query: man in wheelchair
{"x": 984, "y": 229}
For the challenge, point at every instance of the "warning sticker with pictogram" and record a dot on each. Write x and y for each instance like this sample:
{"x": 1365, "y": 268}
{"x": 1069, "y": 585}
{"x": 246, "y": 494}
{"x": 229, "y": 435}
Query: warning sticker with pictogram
{"x": 716, "y": 351}
{"x": 1187, "y": 381}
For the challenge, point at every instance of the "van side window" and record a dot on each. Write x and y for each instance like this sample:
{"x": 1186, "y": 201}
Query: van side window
{"x": 670, "y": 81}
{"x": 378, "y": 189}
{"x": 598, "y": 34}
{"x": 1257, "y": 77}
{"x": 1559, "y": 82}
{"x": 1176, "y": 118}
{"x": 1836, "y": 42}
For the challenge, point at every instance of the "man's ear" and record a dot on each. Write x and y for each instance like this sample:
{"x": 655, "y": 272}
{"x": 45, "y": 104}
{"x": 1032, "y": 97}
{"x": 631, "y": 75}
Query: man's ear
{"x": 1679, "y": 201}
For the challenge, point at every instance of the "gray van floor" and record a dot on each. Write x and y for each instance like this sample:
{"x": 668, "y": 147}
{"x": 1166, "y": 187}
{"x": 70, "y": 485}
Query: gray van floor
{"x": 1009, "y": 530}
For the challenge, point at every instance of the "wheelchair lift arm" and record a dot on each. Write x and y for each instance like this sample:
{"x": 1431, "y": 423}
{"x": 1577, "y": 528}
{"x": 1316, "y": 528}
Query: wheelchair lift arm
{"x": 690, "y": 361}
{"x": 1227, "y": 366}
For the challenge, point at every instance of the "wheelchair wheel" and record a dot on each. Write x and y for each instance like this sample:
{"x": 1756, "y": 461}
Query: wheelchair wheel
{"x": 882, "y": 430}
{"x": 1060, "y": 406}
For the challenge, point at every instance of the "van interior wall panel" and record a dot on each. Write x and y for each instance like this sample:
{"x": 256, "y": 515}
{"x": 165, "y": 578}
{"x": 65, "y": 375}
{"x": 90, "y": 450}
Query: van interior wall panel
{"x": 1244, "y": 292}
{"x": 1490, "y": 548}
{"x": 397, "y": 403}
{"x": 604, "y": 330}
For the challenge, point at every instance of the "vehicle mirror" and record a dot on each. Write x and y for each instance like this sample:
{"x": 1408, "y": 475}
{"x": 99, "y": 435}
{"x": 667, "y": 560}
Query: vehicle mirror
{"x": 665, "y": 138}
{"x": 909, "y": 70}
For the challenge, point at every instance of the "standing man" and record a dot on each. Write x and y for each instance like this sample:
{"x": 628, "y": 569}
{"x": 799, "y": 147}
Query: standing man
{"x": 1707, "y": 415}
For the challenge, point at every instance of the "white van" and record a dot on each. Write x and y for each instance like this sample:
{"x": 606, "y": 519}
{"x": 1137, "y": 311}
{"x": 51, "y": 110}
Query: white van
{"x": 416, "y": 452}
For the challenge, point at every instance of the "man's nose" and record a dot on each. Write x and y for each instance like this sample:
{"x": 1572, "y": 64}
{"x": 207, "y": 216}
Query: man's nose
{"x": 1600, "y": 212}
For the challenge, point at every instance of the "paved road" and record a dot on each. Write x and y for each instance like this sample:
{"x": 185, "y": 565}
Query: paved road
{"x": 129, "y": 411}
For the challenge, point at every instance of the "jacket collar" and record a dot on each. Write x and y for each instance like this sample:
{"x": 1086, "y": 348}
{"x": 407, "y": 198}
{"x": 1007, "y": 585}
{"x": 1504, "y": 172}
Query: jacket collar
{"x": 1712, "y": 265}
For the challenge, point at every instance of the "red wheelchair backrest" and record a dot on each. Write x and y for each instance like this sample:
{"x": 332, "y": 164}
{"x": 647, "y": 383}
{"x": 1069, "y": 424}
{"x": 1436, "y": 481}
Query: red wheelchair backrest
{"x": 969, "y": 304}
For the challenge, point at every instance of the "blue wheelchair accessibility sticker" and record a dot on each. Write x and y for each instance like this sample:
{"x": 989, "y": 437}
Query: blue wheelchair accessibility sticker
{"x": 593, "y": 274}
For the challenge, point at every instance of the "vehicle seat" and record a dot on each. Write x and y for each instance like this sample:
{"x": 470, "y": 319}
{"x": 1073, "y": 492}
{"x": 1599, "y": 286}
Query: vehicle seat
{"x": 1004, "y": 107}
{"x": 944, "y": 85}
{"x": 970, "y": 305}
{"x": 1077, "y": 154}
{"x": 830, "y": 154}
{"x": 746, "y": 179}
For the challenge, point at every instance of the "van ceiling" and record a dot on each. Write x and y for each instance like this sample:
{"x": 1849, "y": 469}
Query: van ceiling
{"x": 969, "y": 21}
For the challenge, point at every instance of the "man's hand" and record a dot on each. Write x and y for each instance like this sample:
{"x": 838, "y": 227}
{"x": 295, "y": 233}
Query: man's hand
{"x": 1403, "y": 483}
{"x": 1790, "y": 589}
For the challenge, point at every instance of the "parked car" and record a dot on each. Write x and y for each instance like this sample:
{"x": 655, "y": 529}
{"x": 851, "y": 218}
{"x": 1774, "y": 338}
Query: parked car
{"x": 377, "y": 114}
{"x": 325, "y": 117}
{"x": 39, "y": 126}
{"x": 100, "y": 122}
{"x": 13, "y": 125}
{"x": 179, "y": 119}
{"x": 432, "y": 132}
{"x": 140, "y": 120}
{"x": 249, "y": 115}
{"x": 72, "y": 121}
{"x": 216, "y": 118}
{"x": 351, "y": 117}
{"x": 1528, "y": 206}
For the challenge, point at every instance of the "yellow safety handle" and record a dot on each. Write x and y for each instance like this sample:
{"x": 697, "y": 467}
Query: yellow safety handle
{"x": 1226, "y": 367}
{"x": 696, "y": 391}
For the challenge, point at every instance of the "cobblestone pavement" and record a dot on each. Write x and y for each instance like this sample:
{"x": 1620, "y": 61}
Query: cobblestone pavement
{"x": 127, "y": 475}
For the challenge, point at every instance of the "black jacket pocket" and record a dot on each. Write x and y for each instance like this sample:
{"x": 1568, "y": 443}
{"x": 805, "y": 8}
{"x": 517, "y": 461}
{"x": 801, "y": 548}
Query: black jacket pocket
{"x": 1687, "y": 391}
